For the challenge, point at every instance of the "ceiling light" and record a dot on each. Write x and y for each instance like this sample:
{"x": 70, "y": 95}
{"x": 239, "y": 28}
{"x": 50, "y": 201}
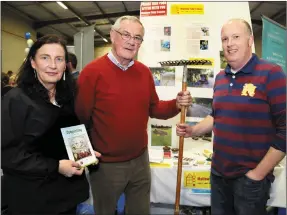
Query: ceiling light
{"x": 104, "y": 39}
{"x": 62, "y": 5}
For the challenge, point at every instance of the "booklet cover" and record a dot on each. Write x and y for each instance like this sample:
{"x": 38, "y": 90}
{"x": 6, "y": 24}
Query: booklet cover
{"x": 78, "y": 145}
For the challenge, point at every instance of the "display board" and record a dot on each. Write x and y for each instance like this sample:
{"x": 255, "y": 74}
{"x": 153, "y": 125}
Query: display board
{"x": 185, "y": 31}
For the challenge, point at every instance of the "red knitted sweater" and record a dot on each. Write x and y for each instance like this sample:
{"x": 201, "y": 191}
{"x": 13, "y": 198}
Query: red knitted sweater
{"x": 119, "y": 103}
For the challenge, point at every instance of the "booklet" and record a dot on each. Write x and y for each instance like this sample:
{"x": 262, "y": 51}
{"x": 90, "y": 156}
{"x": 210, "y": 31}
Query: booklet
{"x": 78, "y": 145}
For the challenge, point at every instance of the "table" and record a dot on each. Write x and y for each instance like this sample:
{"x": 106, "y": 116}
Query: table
{"x": 163, "y": 186}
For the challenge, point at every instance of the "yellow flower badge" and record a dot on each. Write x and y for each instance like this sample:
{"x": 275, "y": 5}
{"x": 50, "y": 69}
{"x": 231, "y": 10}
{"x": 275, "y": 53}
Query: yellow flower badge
{"x": 248, "y": 89}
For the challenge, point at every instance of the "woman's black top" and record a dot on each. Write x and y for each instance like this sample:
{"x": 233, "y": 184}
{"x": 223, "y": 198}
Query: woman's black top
{"x": 32, "y": 146}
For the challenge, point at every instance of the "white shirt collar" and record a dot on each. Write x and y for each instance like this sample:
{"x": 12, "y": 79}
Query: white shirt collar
{"x": 116, "y": 62}
{"x": 233, "y": 71}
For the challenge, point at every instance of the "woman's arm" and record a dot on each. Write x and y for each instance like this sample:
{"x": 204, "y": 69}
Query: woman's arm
{"x": 16, "y": 132}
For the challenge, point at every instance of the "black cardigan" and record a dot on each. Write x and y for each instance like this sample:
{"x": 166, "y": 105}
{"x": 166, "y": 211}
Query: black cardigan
{"x": 32, "y": 146}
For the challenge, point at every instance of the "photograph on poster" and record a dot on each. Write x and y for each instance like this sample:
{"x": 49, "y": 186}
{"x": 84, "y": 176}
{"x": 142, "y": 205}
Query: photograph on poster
{"x": 201, "y": 107}
{"x": 161, "y": 135}
{"x": 205, "y": 31}
{"x": 201, "y": 78}
{"x": 167, "y": 31}
{"x": 203, "y": 44}
{"x": 163, "y": 76}
{"x": 204, "y": 138}
{"x": 165, "y": 45}
{"x": 223, "y": 62}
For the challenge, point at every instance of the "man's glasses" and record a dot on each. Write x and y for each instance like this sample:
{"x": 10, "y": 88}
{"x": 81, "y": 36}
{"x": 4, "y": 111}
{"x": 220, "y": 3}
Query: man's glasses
{"x": 127, "y": 36}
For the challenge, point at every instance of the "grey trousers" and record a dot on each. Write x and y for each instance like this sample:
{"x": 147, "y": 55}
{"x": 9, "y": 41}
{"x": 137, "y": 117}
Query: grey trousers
{"x": 132, "y": 177}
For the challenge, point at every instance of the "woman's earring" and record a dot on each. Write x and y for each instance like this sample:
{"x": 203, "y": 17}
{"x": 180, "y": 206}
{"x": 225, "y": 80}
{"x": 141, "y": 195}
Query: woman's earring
{"x": 64, "y": 76}
{"x": 35, "y": 73}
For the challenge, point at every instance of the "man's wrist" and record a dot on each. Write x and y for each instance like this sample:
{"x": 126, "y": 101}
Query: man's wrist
{"x": 259, "y": 173}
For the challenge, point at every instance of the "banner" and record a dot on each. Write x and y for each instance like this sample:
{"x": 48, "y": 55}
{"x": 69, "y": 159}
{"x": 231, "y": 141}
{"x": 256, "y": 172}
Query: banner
{"x": 197, "y": 181}
{"x": 274, "y": 42}
{"x": 153, "y": 8}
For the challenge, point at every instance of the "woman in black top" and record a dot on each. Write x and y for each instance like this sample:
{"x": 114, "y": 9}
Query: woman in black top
{"x": 39, "y": 177}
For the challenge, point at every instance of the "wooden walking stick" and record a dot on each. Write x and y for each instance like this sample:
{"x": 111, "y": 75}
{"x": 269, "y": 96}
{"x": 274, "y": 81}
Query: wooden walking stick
{"x": 183, "y": 63}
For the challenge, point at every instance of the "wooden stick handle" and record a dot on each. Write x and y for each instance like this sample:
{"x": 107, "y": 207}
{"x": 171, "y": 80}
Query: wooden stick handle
{"x": 180, "y": 151}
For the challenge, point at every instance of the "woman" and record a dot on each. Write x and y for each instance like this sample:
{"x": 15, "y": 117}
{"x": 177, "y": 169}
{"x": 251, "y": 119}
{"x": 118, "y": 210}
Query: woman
{"x": 39, "y": 177}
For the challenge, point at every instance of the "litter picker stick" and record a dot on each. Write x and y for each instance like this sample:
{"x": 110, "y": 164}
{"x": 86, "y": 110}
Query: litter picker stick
{"x": 180, "y": 151}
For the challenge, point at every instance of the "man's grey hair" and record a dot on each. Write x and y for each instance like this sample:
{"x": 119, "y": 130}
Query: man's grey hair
{"x": 117, "y": 24}
{"x": 247, "y": 25}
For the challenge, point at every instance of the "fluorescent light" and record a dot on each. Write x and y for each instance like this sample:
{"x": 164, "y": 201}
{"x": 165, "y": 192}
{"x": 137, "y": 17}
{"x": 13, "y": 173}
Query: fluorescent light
{"x": 62, "y": 5}
{"x": 104, "y": 39}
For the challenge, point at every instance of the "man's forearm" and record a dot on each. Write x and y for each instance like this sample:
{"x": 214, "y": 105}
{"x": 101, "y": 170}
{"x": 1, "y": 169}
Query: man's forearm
{"x": 268, "y": 163}
{"x": 205, "y": 126}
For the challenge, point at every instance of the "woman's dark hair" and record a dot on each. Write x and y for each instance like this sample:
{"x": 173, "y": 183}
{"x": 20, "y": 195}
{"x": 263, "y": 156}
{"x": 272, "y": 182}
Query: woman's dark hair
{"x": 28, "y": 81}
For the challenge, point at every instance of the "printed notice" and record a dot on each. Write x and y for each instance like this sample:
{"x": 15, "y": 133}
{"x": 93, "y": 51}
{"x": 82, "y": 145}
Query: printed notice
{"x": 180, "y": 9}
{"x": 199, "y": 182}
{"x": 153, "y": 9}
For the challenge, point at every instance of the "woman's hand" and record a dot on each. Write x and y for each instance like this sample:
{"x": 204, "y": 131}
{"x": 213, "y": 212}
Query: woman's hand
{"x": 98, "y": 154}
{"x": 69, "y": 168}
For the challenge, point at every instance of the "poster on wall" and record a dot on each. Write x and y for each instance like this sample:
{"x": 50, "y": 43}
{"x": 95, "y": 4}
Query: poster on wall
{"x": 163, "y": 76}
{"x": 159, "y": 38}
{"x": 165, "y": 45}
{"x": 161, "y": 135}
{"x": 167, "y": 31}
{"x": 274, "y": 42}
{"x": 197, "y": 38}
{"x": 200, "y": 108}
{"x": 153, "y": 8}
{"x": 200, "y": 77}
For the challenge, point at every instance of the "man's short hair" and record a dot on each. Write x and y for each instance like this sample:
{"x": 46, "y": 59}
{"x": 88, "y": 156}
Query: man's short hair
{"x": 73, "y": 59}
{"x": 117, "y": 24}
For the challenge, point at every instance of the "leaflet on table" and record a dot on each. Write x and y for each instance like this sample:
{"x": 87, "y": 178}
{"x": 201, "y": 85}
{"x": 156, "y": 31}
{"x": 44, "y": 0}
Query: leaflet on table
{"x": 194, "y": 158}
{"x": 78, "y": 145}
{"x": 156, "y": 155}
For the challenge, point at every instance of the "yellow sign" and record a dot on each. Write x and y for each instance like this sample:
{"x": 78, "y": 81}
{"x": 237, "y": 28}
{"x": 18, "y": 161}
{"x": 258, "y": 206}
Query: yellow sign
{"x": 196, "y": 179}
{"x": 160, "y": 165}
{"x": 248, "y": 89}
{"x": 203, "y": 62}
{"x": 187, "y": 9}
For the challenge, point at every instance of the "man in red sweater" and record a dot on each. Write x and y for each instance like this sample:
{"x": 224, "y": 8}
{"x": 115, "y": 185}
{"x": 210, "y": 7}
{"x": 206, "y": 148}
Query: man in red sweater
{"x": 117, "y": 94}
